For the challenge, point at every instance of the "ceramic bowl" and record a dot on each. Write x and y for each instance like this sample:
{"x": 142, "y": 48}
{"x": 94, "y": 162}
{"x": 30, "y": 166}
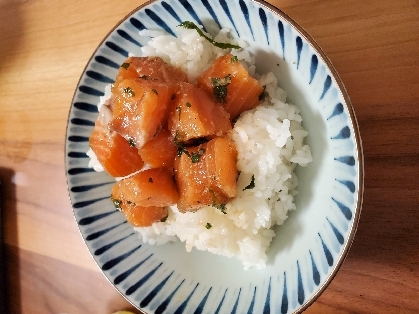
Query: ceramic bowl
{"x": 309, "y": 247}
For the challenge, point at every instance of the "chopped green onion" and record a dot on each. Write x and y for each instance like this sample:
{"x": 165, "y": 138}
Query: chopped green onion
{"x": 117, "y": 203}
{"x": 125, "y": 65}
{"x": 263, "y": 94}
{"x": 251, "y": 184}
{"x": 191, "y": 25}
{"x": 197, "y": 155}
{"x": 220, "y": 87}
{"x": 131, "y": 142}
{"x": 129, "y": 91}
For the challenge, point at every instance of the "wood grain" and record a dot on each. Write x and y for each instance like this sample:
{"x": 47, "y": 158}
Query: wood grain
{"x": 46, "y": 44}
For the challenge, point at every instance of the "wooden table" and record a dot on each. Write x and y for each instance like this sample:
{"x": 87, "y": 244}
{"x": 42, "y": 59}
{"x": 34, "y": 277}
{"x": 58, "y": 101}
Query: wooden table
{"x": 44, "y": 46}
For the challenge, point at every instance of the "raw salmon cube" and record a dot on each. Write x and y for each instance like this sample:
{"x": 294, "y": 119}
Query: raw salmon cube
{"x": 140, "y": 216}
{"x": 191, "y": 179}
{"x": 152, "y": 68}
{"x": 206, "y": 174}
{"x": 160, "y": 151}
{"x": 140, "y": 108}
{"x": 114, "y": 153}
{"x": 231, "y": 85}
{"x": 222, "y": 167}
{"x": 195, "y": 115}
{"x": 151, "y": 187}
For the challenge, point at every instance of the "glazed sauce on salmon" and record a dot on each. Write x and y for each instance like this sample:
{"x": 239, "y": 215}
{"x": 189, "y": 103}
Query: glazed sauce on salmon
{"x": 195, "y": 115}
{"x": 114, "y": 153}
{"x": 168, "y": 137}
{"x": 231, "y": 85}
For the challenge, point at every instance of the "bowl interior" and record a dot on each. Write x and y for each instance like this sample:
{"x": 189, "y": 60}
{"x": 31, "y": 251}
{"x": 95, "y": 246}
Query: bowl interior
{"x": 313, "y": 241}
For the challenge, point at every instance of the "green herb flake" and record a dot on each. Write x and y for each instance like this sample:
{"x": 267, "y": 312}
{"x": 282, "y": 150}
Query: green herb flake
{"x": 129, "y": 91}
{"x": 208, "y": 226}
{"x": 150, "y": 180}
{"x": 263, "y": 94}
{"x": 195, "y": 157}
{"x": 155, "y": 91}
{"x": 116, "y": 203}
{"x": 180, "y": 147}
{"x": 125, "y": 65}
{"x": 182, "y": 150}
{"x": 191, "y": 25}
{"x": 220, "y": 87}
{"x": 188, "y": 104}
{"x": 251, "y": 184}
{"x": 221, "y": 207}
{"x": 234, "y": 59}
{"x": 131, "y": 142}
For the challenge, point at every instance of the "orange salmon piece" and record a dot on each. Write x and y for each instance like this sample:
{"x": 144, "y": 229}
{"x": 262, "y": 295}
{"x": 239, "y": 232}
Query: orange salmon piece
{"x": 160, "y": 151}
{"x": 222, "y": 166}
{"x": 206, "y": 174}
{"x": 151, "y": 187}
{"x": 231, "y": 85}
{"x": 114, "y": 153}
{"x": 140, "y": 216}
{"x": 152, "y": 68}
{"x": 191, "y": 179}
{"x": 140, "y": 108}
{"x": 195, "y": 115}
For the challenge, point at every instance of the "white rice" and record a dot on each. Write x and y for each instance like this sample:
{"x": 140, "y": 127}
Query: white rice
{"x": 270, "y": 143}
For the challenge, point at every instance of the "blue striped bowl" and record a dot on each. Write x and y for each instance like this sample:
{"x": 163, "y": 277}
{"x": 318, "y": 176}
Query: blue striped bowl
{"x": 312, "y": 244}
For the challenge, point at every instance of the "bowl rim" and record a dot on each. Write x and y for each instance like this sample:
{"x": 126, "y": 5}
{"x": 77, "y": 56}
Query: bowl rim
{"x": 353, "y": 121}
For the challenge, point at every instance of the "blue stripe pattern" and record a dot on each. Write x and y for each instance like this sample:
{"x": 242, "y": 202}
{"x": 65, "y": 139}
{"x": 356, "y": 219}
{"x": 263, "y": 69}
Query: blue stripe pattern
{"x": 170, "y": 10}
{"x": 211, "y": 12}
{"x": 85, "y": 107}
{"x": 128, "y": 37}
{"x": 245, "y": 12}
{"x": 224, "y": 5}
{"x": 284, "y": 301}
{"x": 313, "y": 67}
{"x": 97, "y": 234}
{"x": 149, "y": 276}
{"x": 149, "y": 297}
{"x": 201, "y": 306}
{"x": 163, "y": 306}
{"x": 115, "y": 261}
{"x": 182, "y": 307}
{"x": 252, "y": 303}
{"x": 281, "y": 33}
{"x": 299, "y": 45}
{"x": 77, "y": 155}
{"x": 236, "y": 304}
{"x": 316, "y": 274}
{"x": 121, "y": 277}
{"x": 142, "y": 281}
{"x": 159, "y": 21}
{"x": 263, "y": 19}
{"x": 221, "y": 303}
